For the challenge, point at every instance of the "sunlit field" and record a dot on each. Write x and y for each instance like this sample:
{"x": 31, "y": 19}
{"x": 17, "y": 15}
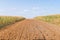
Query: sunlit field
{"x": 55, "y": 19}
{"x": 6, "y": 20}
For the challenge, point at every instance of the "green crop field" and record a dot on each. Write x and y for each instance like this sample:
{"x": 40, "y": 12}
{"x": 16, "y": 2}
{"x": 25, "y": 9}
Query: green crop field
{"x": 55, "y": 19}
{"x": 6, "y": 20}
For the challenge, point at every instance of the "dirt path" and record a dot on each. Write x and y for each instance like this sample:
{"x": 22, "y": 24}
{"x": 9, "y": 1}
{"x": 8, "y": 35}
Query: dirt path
{"x": 30, "y": 29}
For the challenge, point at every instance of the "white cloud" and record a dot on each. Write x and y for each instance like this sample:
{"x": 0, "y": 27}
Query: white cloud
{"x": 10, "y": 9}
{"x": 7, "y": 9}
{"x": 34, "y": 8}
{"x": 25, "y": 10}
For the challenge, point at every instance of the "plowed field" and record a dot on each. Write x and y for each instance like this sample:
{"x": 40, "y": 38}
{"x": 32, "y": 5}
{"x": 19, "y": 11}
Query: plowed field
{"x": 30, "y": 29}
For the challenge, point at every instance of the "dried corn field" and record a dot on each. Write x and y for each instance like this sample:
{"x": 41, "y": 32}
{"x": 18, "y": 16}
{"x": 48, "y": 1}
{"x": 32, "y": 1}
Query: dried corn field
{"x": 7, "y": 20}
{"x": 54, "y": 19}
{"x": 30, "y": 29}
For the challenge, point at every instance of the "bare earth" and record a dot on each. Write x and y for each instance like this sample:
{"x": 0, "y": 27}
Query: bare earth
{"x": 30, "y": 29}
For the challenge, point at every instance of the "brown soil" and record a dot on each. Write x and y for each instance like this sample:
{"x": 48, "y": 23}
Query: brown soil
{"x": 30, "y": 29}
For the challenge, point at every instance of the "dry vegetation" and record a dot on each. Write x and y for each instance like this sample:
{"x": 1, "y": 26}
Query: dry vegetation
{"x": 55, "y": 19}
{"x": 6, "y": 20}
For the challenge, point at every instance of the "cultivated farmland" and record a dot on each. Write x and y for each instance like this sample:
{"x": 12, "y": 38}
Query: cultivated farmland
{"x": 39, "y": 28}
{"x": 30, "y": 30}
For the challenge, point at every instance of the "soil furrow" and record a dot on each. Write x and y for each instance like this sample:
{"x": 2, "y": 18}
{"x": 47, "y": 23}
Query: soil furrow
{"x": 53, "y": 30}
{"x": 30, "y": 29}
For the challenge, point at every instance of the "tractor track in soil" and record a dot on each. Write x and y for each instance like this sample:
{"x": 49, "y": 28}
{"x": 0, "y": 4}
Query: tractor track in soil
{"x": 30, "y": 29}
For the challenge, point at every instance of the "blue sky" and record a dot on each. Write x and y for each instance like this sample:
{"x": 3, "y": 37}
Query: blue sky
{"x": 29, "y": 8}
